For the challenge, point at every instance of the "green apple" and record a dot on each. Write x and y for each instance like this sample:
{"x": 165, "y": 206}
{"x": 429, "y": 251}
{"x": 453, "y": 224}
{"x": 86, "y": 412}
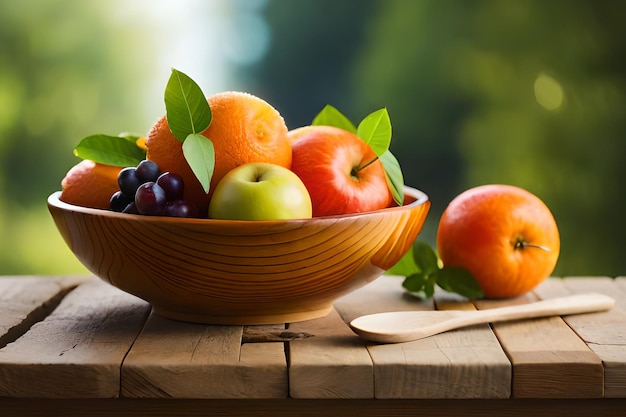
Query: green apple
{"x": 260, "y": 191}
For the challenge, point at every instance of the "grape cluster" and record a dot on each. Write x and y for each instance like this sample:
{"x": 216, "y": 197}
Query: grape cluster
{"x": 145, "y": 190}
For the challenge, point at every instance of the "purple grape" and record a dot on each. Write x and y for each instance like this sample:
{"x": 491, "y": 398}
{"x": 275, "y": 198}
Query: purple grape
{"x": 180, "y": 208}
{"x": 131, "y": 209}
{"x": 128, "y": 181}
{"x": 173, "y": 184}
{"x": 150, "y": 199}
{"x": 119, "y": 201}
{"x": 147, "y": 171}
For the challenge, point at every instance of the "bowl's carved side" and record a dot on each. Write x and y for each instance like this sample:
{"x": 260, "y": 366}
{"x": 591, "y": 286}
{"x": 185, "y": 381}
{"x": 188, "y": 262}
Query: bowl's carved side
{"x": 242, "y": 272}
{"x": 404, "y": 233}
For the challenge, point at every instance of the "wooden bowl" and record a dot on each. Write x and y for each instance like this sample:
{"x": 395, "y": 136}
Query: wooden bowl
{"x": 240, "y": 272}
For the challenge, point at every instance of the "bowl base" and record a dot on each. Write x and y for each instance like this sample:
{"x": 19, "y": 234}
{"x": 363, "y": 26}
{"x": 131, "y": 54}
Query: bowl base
{"x": 244, "y": 319}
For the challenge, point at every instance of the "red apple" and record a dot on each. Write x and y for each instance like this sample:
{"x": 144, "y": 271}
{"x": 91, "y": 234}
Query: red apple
{"x": 339, "y": 170}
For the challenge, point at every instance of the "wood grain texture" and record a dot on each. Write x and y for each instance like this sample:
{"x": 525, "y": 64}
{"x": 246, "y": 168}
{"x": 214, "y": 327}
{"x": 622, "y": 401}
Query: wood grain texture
{"x": 240, "y": 272}
{"x": 271, "y": 333}
{"x": 332, "y": 364}
{"x": 467, "y": 363}
{"x": 173, "y": 359}
{"x": 549, "y": 360}
{"x": 25, "y": 300}
{"x": 78, "y": 349}
{"x": 604, "y": 333}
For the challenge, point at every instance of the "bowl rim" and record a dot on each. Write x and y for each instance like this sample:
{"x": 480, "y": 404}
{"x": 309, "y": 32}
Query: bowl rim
{"x": 54, "y": 201}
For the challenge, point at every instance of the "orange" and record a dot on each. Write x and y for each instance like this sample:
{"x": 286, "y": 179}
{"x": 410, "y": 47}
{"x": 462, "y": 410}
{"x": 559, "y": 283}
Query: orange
{"x": 90, "y": 184}
{"x": 244, "y": 128}
{"x": 141, "y": 143}
{"x": 504, "y": 235}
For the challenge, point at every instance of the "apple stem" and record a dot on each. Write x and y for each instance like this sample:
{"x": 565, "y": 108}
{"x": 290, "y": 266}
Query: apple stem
{"x": 357, "y": 169}
{"x": 521, "y": 244}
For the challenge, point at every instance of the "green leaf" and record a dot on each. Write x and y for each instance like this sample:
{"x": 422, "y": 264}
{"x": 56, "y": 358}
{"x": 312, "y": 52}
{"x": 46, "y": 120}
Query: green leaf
{"x": 460, "y": 281}
{"x": 330, "y": 116}
{"x": 415, "y": 283}
{"x": 131, "y": 137}
{"x": 425, "y": 257}
{"x": 375, "y": 130}
{"x": 110, "y": 150}
{"x": 420, "y": 284}
{"x": 393, "y": 174}
{"x": 429, "y": 286}
{"x": 200, "y": 156}
{"x": 405, "y": 266}
{"x": 432, "y": 272}
{"x": 186, "y": 107}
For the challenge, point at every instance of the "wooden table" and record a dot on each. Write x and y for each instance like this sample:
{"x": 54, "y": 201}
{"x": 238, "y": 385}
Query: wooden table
{"x": 77, "y": 346}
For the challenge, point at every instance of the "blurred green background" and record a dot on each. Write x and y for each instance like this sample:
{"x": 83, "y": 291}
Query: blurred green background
{"x": 524, "y": 92}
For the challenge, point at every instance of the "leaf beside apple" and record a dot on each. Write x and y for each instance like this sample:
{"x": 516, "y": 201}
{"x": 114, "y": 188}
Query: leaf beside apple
{"x": 375, "y": 130}
{"x": 330, "y": 116}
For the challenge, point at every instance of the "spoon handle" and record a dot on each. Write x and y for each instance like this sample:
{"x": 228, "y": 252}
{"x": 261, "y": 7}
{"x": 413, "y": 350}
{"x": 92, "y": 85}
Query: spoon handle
{"x": 572, "y": 304}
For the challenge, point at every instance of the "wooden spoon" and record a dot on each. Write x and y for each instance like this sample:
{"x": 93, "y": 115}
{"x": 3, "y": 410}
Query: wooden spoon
{"x": 404, "y": 326}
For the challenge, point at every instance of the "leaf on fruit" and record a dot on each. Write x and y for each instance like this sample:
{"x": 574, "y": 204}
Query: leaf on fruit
{"x": 393, "y": 174}
{"x": 460, "y": 281}
{"x": 200, "y": 156}
{"x": 375, "y": 130}
{"x": 188, "y": 115}
{"x": 330, "y": 116}
{"x": 110, "y": 150}
{"x": 186, "y": 107}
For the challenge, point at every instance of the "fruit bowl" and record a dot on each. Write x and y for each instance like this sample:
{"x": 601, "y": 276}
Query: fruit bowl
{"x": 240, "y": 272}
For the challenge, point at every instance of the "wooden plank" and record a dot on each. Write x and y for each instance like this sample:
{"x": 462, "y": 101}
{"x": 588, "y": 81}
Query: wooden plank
{"x": 549, "y": 359}
{"x": 332, "y": 364}
{"x": 487, "y": 362}
{"x": 604, "y": 332}
{"x": 603, "y": 328}
{"x": 77, "y": 351}
{"x": 604, "y": 285}
{"x": 449, "y": 365}
{"x": 25, "y": 300}
{"x": 173, "y": 359}
{"x": 382, "y": 294}
{"x": 465, "y": 363}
